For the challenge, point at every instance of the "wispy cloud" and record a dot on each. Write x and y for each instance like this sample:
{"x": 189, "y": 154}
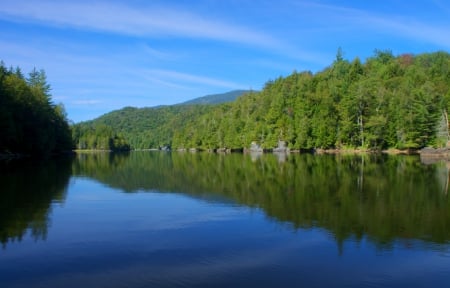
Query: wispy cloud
{"x": 169, "y": 76}
{"x": 86, "y": 102}
{"x": 154, "y": 53}
{"x": 120, "y": 18}
{"x": 413, "y": 30}
{"x": 442, "y": 5}
{"x": 154, "y": 21}
{"x": 391, "y": 24}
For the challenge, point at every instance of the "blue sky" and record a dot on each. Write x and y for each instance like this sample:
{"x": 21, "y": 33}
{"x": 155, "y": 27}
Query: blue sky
{"x": 104, "y": 55}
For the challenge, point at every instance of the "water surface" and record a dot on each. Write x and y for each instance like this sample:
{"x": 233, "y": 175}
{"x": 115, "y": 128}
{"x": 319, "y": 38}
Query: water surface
{"x": 150, "y": 219}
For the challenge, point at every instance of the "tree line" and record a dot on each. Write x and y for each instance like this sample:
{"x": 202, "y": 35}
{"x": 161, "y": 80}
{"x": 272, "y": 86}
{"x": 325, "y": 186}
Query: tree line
{"x": 30, "y": 123}
{"x": 98, "y": 137}
{"x": 385, "y": 102}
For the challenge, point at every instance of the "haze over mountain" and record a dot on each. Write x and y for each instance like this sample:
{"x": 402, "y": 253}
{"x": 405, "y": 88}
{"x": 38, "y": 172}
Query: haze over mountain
{"x": 216, "y": 98}
{"x": 212, "y": 99}
{"x": 140, "y": 125}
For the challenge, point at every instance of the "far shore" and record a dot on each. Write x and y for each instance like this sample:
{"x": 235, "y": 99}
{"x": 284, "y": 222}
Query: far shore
{"x": 296, "y": 151}
{"x": 440, "y": 153}
{"x": 304, "y": 151}
{"x": 5, "y": 156}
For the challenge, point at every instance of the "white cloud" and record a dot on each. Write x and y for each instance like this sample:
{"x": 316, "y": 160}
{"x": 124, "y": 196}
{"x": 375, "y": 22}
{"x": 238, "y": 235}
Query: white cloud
{"x": 402, "y": 26}
{"x": 123, "y": 19}
{"x": 169, "y": 76}
{"x": 86, "y": 102}
{"x": 150, "y": 21}
{"x": 413, "y": 30}
{"x": 155, "y": 53}
{"x": 155, "y": 80}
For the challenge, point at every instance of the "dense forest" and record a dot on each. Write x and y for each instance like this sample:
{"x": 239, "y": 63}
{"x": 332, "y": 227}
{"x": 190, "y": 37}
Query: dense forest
{"x": 143, "y": 128}
{"x": 30, "y": 124}
{"x": 98, "y": 137}
{"x": 384, "y": 102}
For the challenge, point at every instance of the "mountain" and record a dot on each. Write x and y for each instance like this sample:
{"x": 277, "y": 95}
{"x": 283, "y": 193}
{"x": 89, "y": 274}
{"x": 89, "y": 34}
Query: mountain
{"x": 216, "y": 98}
{"x": 147, "y": 127}
{"x": 385, "y": 102}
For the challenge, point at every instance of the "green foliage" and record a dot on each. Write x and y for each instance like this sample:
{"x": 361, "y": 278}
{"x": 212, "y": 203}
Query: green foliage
{"x": 142, "y": 128}
{"x": 29, "y": 122}
{"x": 98, "y": 137}
{"x": 386, "y": 102}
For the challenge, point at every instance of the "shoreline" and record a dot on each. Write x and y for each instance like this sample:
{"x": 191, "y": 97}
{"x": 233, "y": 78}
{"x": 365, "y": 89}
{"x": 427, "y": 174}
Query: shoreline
{"x": 438, "y": 153}
{"x": 7, "y": 156}
{"x": 318, "y": 151}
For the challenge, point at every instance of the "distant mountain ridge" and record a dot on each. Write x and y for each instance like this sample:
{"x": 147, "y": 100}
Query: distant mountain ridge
{"x": 211, "y": 99}
{"x": 216, "y": 98}
{"x": 140, "y": 124}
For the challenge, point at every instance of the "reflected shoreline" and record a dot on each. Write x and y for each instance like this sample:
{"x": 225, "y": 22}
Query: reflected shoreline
{"x": 29, "y": 187}
{"x": 379, "y": 197}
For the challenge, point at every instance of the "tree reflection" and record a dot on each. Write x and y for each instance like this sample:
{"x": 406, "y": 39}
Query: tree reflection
{"x": 28, "y": 190}
{"x": 383, "y": 198}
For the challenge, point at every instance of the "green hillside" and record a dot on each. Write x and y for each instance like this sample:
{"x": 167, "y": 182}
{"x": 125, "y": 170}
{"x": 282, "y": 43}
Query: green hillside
{"x": 143, "y": 128}
{"x": 386, "y": 101}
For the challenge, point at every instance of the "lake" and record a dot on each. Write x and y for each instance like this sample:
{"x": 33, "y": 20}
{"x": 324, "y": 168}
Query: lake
{"x": 156, "y": 219}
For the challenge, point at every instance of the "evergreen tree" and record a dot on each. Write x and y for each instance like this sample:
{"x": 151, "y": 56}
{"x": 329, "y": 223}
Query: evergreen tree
{"x": 385, "y": 102}
{"x": 29, "y": 122}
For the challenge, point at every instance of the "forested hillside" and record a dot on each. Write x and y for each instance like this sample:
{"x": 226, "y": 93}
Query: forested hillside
{"x": 143, "y": 128}
{"x": 386, "y": 101}
{"x": 30, "y": 123}
{"x": 98, "y": 137}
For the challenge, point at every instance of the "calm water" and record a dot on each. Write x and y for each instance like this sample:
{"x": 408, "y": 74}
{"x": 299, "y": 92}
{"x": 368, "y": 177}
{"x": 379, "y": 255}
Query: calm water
{"x": 150, "y": 219}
